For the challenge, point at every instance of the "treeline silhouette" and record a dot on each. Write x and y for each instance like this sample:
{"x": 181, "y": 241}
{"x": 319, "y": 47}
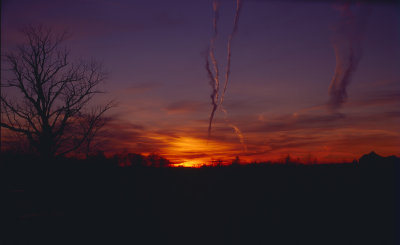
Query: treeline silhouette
{"x": 87, "y": 201}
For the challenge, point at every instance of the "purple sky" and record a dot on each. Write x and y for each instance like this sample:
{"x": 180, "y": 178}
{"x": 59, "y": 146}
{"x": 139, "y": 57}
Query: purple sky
{"x": 283, "y": 62}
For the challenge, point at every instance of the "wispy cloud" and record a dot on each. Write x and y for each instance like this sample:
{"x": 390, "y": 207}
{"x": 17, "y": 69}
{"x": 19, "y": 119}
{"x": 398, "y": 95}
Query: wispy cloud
{"x": 377, "y": 98}
{"x": 327, "y": 137}
{"x": 140, "y": 87}
{"x": 186, "y": 106}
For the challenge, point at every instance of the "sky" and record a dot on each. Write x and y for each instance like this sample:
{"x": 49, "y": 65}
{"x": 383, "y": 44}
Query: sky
{"x": 292, "y": 65}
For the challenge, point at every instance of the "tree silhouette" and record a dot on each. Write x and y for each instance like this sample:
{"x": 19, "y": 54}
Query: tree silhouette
{"x": 236, "y": 161}
{"x": 54, "y": 94}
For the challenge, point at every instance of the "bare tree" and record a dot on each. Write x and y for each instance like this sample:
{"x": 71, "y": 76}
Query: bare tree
{"x": 49, "y": 95}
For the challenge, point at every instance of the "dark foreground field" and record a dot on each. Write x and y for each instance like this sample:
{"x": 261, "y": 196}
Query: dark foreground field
{"x": 82, "y": 203}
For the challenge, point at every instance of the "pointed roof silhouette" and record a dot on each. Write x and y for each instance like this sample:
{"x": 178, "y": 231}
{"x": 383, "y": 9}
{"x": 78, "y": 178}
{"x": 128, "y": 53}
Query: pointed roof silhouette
{"x": 373, "y": 158}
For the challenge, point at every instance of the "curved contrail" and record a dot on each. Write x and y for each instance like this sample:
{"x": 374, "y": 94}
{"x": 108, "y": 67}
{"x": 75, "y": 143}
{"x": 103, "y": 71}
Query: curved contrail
{"x": 240, "y": 135}
{"x": 237, "y": 131}
{"x": 342, "y": 77}
{"x": 347, "y": 46}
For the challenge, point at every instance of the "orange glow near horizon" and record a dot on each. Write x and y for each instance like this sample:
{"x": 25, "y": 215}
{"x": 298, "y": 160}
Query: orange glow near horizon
{"x": 338, "y": 147}
{"x": 195, "y": 152}
{"x": 189, "y": 164}
{"x": 327, "y": 146}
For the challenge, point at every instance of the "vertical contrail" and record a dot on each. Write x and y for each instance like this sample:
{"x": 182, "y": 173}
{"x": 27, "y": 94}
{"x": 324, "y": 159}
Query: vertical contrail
{"x": 346, "y": 44}
{"x": 212, "y": 45}
{"x": 214, "y": 95}
{"x": 215, "y": 18}
{"x": 342, "y": 78}
{"x": 229, "y": 53}
{"x": 214, "y": 79}
{"x": 216, "y": 98}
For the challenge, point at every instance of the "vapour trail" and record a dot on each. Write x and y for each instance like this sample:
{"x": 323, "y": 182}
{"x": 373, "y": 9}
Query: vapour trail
{"x": 212, "y": 43}
{"x": 235, "y": 128}
{"x": 214, "y": 79}
{"x": 214, "y": 95}
{"x": 342, "y": 78}
{"x": 229, "y": 53}
{"x": 346, "y": 43}
{"x": 227, "y": 74}
{"x": 240, "y": 135}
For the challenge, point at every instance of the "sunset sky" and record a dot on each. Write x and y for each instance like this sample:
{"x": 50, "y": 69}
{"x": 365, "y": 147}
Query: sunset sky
{"x": 283, "y": 61}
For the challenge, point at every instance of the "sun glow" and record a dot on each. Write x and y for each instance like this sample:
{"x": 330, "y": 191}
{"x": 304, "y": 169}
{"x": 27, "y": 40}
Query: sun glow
{"x": 195, "y": 152}
{"x": 190, "y": 164}
{"x": 189, "y": 144}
